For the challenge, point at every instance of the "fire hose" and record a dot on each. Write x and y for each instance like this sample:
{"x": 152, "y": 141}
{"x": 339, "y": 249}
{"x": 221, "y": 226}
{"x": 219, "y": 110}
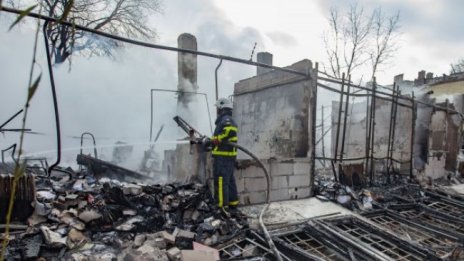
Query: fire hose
{"x": 195, "y": 137}
{"x": 268, "y": 201}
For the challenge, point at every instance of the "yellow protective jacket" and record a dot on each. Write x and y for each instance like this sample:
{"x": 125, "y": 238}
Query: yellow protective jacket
{"x": 226, "y": 130}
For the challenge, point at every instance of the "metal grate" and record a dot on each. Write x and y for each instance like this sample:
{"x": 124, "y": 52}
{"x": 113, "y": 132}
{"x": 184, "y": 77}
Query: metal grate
{"x": 376, "y": 239}
{"x": 441, "y": 245}
{"x": 311, "y": 245}
{"x": 427, "y": 218}
{"x": 447, "y": 208}
{"x": 245, "y": 247}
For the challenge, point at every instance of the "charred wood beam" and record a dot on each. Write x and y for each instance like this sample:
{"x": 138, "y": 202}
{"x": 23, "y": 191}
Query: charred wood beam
{"x": 102, "y": 168}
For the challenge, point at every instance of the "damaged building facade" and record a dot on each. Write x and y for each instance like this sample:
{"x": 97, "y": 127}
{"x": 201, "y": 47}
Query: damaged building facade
{"x": 406, "y": 133}
{"x": 272, "y": 111}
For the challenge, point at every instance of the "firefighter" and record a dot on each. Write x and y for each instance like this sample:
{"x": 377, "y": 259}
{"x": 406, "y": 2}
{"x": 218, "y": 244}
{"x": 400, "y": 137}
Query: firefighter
{"x": 225, "y": 188}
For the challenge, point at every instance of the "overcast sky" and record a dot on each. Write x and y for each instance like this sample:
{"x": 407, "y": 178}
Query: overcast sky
{"x": 432, "y": 32}
{"x": 111, "y": 97}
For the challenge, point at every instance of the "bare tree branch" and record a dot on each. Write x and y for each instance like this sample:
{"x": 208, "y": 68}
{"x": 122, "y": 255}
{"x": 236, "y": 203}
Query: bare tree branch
{"x": 357, "y": 37}
{"x": 457, "y": 67}
{"x": 385, "y": 43}
{"x": 127, "y": 18}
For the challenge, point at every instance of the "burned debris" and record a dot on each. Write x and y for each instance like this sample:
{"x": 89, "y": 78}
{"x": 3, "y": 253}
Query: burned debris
{"x": 111, "y": 219}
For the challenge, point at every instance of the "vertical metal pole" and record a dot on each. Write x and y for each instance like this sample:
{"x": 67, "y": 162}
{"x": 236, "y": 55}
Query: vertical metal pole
{"x": 392, "y": 108}
{"x": 374, "y": 87}
{"x": 395, "y": 114}
{"x": 339, "y": 118}
{"x": 216, "y": 79}
{"x": 342, "y": 151}
{"x": 151, "y": 115}
{"x": 413, "y": 131}
{"x": 323, "y": 134}
{"x": 313, "y": 107}
{"x": 338, "y": 122}
{"x": 368, "y": 135}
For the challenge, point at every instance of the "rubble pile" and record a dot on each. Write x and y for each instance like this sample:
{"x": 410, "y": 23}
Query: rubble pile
{"x": 361, "y": 199}
{"x": 79, "y": 218}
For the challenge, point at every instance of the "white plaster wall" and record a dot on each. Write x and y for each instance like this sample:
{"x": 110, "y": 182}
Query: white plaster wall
{"x": 271, "y": 111}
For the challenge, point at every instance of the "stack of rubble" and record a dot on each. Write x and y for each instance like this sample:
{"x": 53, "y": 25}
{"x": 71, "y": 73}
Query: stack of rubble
{"x": 381, "y": 194}
{"x": 361, "y": 199}
{"x": 78, "y": 218}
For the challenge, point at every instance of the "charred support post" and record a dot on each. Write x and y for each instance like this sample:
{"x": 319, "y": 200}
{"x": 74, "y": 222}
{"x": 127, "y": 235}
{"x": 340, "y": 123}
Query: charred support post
{"x": 23, "y": 198}
{"x": 414, "y": 117}
{"x": 390, "y": 133}
{"x": 323, "y": 134}
{"x": 395, "y": 115}
{"x": 334, "y": 171}
{"x": 342, "y": 151}
{"x": 391, "y": 130}
{"x": 313, "y": 113}
{"x": 339, "y": 119}
{"x": 372, "y": 131}
{"x": 368, "y": 135}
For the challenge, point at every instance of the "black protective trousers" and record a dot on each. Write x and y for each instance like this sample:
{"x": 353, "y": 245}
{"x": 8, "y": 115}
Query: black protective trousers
{"x": 224, "y": 182}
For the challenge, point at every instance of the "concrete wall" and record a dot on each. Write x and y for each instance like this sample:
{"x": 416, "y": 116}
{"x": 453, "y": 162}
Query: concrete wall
{"x": 290, "y": 179}
{"x": 186, "y": 163}
{"x": 272, "y": 110}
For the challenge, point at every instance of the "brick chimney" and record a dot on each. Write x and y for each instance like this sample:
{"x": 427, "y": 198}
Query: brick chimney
{"x": 266, "y": 58}
{"x": 420, "y": 78}
{"x": 398, "y": 78}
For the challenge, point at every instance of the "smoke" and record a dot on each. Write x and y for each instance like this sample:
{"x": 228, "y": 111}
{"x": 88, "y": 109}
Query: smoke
{"x": 110, "y": 97}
